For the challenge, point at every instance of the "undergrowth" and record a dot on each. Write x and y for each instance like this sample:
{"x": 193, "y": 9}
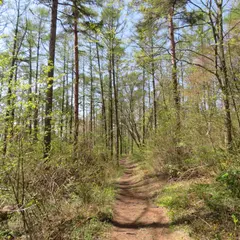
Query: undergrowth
{"x": 59, "y": 198}
{"x": 202, "y": 192}
{"x": 211, "y": 209}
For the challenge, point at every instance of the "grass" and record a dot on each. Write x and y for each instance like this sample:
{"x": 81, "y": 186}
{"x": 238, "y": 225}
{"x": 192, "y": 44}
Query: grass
{"x": 174, "y": 196}
{"x": 90, "y": 230}
{"x": 209, "y": 209}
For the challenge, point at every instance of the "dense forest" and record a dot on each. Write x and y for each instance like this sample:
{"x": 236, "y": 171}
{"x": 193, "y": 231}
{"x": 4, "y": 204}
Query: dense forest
{"x": 92, "y": 90}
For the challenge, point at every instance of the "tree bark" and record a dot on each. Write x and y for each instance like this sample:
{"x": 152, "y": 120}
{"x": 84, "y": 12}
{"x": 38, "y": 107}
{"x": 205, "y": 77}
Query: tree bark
{"x": 154, "y": 87}
{"x": 63, "y": 90}
{"x": 116, "y": 105}
{"x": 225, "y": 88}
{"x": 71, "y": 100}
{"x": 91, "y": 91}
{"x": 30, "y": 87}
{"x": 49, "y": 91}
{"x": 143, "y": 108}
{"x": 36, "y": 95}
{"x": 84, "y": 100}
{"x": 102, "y": 95}
{"x": 8, "y": 118}
{"x": 176, "y": 95}
{"x": 76, "y": 84}
{"x": 110, "y": 106}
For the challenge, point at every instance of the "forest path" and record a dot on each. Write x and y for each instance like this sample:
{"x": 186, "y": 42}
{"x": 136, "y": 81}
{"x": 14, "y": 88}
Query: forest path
{"x": 134, "y": 216}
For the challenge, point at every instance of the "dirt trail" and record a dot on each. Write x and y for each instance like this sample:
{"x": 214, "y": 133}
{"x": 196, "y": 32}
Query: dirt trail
{"x": 135, "y": 217}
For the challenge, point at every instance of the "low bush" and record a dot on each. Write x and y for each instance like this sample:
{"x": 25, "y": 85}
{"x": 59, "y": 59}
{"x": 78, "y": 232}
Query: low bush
{"x": 57, "y": 199}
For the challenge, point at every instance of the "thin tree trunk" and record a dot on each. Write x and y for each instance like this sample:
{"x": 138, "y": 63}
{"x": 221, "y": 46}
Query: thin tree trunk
{"x": 30, "y": 87}
{"x": 49, "y": 91}
{"x": 102, "y": 95}
{"x": 110, "y": 106}
{"x": 226, "y": 89}
{"x": 8, "y": 117}
{"x": 143, "y": 108}
{"x": 91, "y": 91}
{"x": 84, "y": 100}
{"x": 67, "y": 98}
{"x": 13, "y": 102}
{"x": 116, "y": 105}
{"x": 149, "y": 103}
{"x": 121, "y": 132}
{"x": 63, "y": 91}
{"x": 36, "y": 95}
{"x": 154, "y": 87}
{"x": 176, "y": 94}
{"x": 76, "y": 84}
{"x": 72, "y": 93}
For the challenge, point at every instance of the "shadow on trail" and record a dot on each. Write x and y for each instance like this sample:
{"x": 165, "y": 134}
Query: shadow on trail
{"x": 180, "y": 221}
{"x": 134, "y": 211}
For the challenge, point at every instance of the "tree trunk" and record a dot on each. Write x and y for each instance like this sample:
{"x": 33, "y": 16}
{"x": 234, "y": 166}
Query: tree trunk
{"x": 76, "y": 84}
{"x": 176, "y": 94}
{"x": 63, "y": 90}
{"x": 102, "y": 95}
{"x": 154, "y": 87}
{"x": 143, "y": 108}
{"x": 30, "y": 88}
{"x": 67, "y": 98}
{"x": 91, "y": 91}
{"x": 225, "y": 89}
{"x": 72, "y": 93}
{"x": 110, "y": 106}
{"x": 84, "y": 101}
{"x": 49, "y": 90}
{"x": 36, "y": 96}
{"x": 116, "y": 106}
{"x": 8, "y": 117}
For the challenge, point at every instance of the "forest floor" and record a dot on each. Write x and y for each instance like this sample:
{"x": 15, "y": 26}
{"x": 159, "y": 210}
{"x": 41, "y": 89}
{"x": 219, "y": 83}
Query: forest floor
{"x": 135, "y": 217}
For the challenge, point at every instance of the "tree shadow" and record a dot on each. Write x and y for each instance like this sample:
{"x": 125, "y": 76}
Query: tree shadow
{"x": 180, "y": 221}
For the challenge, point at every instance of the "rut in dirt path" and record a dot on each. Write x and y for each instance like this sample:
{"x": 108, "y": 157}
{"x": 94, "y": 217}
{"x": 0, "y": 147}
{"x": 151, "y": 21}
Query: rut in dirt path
{"x": 135, "y": 217}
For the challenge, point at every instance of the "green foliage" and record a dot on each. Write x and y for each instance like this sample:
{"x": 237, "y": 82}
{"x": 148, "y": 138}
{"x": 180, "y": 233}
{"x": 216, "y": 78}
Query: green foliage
{"x": 67, "y": 197}
{"x": 90, "y": 230}
{"x": 192, "y": 17}
{"x": 219, "y": 199}
{"x": 139, "y": 155}
{"x": 209, "y": 209}
{"x": 234, "y": 14}
{"x": 231, "y": 179}
{"x": 6, "y": 234}
{"x": 235, "y": 219}
{"x": 175, "y": 197}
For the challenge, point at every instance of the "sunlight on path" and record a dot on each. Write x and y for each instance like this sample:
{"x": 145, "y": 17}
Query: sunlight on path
{"x": 135, "y": 218}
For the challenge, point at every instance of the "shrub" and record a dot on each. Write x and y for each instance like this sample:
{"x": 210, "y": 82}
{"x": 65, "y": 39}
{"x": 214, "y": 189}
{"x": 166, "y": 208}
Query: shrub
{"x": 231, "y": 179}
